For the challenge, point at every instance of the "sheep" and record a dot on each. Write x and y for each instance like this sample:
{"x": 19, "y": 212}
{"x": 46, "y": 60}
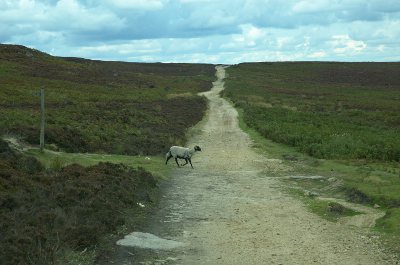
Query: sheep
{"x": 181, "y": 153}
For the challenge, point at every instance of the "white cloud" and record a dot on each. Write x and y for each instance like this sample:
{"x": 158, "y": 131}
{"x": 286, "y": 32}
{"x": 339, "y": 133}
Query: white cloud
{"x": 344, "y": 44}
{"x": 82, "y": 18}
{"x": 317, "y": 55}
{"x": 196, "y": 1}
{"x": 252, "y": 32}
{"x": 265, "y": 55}
{"x": 200, "y": 30}
{"x": 64, "y": 16}
{"x": 282, "y": 41}
{"x": 249, "y": 37}
{"x": 313, "y": 6}
{"x": 206, "y": 18}
{"x": 133, "y": 47}
{"x": 26, "y": 3}
{"x": 137, "y": 4}
{"x": 381, "y": 48}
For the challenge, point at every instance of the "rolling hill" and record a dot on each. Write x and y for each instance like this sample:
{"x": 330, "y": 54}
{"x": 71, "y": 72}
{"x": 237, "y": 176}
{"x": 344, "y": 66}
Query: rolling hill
{"x": 97, "y": 106}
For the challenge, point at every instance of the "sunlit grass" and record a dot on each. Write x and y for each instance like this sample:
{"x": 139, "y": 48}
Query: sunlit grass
{"x": 154, "y": 164}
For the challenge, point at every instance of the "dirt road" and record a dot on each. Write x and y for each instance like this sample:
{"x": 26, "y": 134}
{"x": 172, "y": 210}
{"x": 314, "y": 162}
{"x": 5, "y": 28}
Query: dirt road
{"x": 231, "y": 209}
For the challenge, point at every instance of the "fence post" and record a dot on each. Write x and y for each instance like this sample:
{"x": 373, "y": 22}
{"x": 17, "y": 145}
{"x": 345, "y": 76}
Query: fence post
{"x": 42, "y": 121}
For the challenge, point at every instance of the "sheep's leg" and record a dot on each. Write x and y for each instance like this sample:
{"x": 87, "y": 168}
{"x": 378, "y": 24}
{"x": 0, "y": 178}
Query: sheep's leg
{"x": 185, "y": 163}
{"x": 190, "y": 160}
{"x": 176, "y": 160}
{"x": 168, "y": 158}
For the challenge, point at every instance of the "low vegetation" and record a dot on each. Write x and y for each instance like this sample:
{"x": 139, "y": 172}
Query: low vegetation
{"x": 326, "y": 110}
{"x": 338, "y": 120}
{"x": 47, "y": 213}
{"x": 62, "y": 205}
{"x": 95, "y": 106}
{"x": 57, "y": 160}
{"x": 331, "y": 211}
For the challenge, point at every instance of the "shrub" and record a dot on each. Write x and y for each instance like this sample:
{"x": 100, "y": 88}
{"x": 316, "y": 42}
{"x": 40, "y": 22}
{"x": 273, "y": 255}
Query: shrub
{"x": 357, "y": 196}
{"x": 43, "y": 213}
{"x": 295, "y": 104}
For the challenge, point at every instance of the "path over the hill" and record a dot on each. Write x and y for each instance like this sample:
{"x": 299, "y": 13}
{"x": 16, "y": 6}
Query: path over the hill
{"x": 227, "y": 211}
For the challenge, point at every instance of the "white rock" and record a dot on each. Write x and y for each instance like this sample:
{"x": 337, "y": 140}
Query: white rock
{"x": 147, "y": 240}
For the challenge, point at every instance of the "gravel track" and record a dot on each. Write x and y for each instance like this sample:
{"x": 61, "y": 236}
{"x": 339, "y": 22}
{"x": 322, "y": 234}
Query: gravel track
{"x": 228, "y": 210}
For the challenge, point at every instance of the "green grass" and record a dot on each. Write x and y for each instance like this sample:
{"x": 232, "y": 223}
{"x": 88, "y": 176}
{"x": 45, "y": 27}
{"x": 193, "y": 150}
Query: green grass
{"x": 322, "y": 209}
{"x": 55, "y": 160}
{"x": 390, "y": 222}
{"x": 329, "y": 210}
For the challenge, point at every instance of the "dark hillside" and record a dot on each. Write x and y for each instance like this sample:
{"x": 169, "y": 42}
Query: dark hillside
{"x": 96, "y": 106}
{"x": 38, "y": 64}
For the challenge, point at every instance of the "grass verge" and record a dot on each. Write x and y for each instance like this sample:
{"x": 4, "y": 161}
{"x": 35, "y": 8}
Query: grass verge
{"x": 57, "y": 160}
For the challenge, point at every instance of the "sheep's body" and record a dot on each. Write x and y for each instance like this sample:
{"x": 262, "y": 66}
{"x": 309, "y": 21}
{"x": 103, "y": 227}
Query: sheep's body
{"x": 181, "y": 153}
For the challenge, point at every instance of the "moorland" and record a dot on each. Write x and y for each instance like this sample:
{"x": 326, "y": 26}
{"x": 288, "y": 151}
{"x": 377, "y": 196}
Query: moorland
{"x": 61, "y": 205}
{"x": 340, "y": 120}
{"x": 95, "y": 106}
{"x": 108, "y": 125}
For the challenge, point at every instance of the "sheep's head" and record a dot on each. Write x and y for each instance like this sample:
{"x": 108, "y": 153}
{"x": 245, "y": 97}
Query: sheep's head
{"x": 197, "y": 148}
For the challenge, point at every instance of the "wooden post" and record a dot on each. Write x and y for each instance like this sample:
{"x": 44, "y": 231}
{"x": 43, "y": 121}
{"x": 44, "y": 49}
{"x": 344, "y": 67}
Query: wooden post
{"x": 42, "y": 119}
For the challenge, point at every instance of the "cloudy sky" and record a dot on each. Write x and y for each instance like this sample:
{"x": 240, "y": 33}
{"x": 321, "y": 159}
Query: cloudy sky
{"x": 212, "y": 31}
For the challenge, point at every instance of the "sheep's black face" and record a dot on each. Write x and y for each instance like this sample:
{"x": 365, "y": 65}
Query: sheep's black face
{"x": 197, "y": 148}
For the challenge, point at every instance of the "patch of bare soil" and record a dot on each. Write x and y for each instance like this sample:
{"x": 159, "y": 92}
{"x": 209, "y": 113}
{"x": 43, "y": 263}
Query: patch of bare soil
{"x": 229, "y": 211}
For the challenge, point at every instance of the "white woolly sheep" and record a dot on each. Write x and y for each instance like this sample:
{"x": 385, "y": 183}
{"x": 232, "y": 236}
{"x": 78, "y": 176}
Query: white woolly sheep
{"x": 181, "y": 153}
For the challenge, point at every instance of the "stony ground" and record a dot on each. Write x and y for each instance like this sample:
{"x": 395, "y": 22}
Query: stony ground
{"x": 231, "y": 209}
